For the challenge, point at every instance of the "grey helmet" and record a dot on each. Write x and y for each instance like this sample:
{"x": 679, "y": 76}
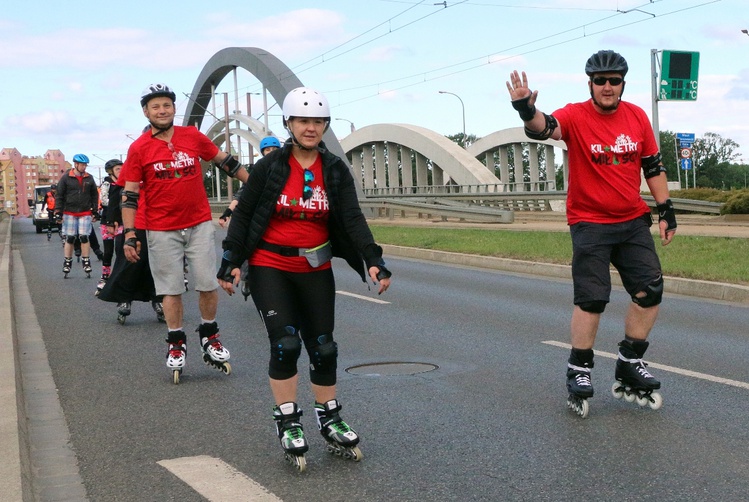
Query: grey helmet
{"x": 606, "y": 62}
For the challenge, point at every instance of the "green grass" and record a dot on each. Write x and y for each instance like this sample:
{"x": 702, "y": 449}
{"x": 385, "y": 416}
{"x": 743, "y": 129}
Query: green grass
{"x": 719, "y": 259}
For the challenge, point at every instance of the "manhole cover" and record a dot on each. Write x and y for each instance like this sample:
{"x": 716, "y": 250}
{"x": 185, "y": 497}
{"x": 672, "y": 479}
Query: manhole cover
{"x": 385, "y": 369}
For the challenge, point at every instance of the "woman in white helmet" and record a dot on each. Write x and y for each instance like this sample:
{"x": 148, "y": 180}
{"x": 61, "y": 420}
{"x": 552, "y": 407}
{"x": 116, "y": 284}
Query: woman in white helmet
{"x": 298, "y": 210}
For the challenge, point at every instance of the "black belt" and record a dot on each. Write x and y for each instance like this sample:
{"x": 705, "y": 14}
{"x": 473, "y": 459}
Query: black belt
{"x": 282, "y": 250}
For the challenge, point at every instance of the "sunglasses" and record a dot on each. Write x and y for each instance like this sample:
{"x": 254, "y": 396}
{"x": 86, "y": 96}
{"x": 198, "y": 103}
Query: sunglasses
{"x": 611, "y": 80}
{"x": 309, "y": 177}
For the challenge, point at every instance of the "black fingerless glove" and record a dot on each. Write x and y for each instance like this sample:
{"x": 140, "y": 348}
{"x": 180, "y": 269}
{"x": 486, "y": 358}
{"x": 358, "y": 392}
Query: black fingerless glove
{"x": 132, "y": 242}
{"x": 226, "y": 214}
{"x": 666, "y": 212}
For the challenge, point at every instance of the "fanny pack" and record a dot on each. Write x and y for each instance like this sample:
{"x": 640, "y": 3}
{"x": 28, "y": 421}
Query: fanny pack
{"x": 316, "y": 256}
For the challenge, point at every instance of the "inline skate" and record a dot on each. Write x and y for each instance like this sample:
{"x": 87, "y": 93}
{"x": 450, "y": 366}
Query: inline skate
{"x": 66, "y": 266}
{"x": 123, "y": 310}
{"x": 86, "y": 262}
{"x": 633, "y": 381}
{"x": 102, "y": 282}
{"x": 176, "y": 352}
{"x": 214, "y": 353}
{"x": 291, "y": 434}
{"x": 341, "y": 439}
{"x": 159, "y": 309}
{"x": 579, "y": 384}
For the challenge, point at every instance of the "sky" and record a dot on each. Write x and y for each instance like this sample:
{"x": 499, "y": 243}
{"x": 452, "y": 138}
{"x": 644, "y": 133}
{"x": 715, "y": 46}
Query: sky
{"x": 73, "y": 72}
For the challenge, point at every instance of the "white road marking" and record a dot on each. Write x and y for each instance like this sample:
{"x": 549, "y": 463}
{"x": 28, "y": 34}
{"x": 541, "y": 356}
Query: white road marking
{"x": 373, "y": 300}
{"x": 217, "y": 480}
{"x": 672, "y": 369}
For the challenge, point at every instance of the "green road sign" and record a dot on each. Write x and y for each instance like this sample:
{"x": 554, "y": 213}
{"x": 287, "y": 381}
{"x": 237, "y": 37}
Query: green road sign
{"x": 679, "y": 72}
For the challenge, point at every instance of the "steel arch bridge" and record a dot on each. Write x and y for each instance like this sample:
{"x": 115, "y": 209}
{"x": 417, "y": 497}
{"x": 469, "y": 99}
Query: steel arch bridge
{"x": 385, "y": 158}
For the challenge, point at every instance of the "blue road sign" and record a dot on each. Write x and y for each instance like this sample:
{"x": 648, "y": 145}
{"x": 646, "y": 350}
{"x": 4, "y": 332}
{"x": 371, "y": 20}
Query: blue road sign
{"x": 685, "y": 137}
{"x": 686, "y": 164}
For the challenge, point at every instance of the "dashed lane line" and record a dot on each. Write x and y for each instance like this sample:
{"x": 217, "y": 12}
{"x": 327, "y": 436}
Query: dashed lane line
{"x": 672, "y": 369}
{"x": 361, "y": 297}
{"x": 216, "y": 480}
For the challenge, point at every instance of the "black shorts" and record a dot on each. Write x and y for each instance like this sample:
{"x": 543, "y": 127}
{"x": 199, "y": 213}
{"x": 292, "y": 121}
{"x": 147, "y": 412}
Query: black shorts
{"x": 628, "y": 246}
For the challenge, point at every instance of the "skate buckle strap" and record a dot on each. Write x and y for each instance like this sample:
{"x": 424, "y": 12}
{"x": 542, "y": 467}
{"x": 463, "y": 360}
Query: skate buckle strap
{"x": 213, "y": 341}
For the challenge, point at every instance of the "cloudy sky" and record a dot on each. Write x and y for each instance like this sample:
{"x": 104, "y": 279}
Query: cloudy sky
{"x": 73, "y": 71}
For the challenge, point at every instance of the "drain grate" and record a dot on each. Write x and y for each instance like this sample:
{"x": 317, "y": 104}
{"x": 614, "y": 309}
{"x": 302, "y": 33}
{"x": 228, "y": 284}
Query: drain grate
{"x": 391, "y": 368}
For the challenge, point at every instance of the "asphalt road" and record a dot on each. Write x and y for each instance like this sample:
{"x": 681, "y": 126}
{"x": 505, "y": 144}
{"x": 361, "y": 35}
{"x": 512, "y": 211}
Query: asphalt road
{"x": 489, "y": 421}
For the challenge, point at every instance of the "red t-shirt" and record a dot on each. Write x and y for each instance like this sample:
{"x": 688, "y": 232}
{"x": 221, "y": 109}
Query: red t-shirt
{"x": 605, "y": 161}
{"x": 297, "y": 222}
{"x": 172, "y": 178}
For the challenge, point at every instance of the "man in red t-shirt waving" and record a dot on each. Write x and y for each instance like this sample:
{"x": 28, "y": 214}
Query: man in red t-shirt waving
{"x": 163, "y": 167}
{"x": 609, "y": 143}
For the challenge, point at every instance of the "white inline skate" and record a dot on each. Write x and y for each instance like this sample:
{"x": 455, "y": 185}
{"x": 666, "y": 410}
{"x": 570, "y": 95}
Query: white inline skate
{"x": 215, "y": 354}
{"x": 291, "y": 434}
{"x": 176, "y": 354}
{"x": 341, "y": 439}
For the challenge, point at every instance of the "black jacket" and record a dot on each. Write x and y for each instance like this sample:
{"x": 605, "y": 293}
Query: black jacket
{"x": 350, "y": 236}
{"x": 76, "y": 194}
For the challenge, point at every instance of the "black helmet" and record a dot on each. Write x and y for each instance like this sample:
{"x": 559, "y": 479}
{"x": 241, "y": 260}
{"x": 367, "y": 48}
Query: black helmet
{"x": 156, "y": 91}
{"x": 605, "y": 62}
{"x": 53, "y": 186}
{"x": 110, "y": 165}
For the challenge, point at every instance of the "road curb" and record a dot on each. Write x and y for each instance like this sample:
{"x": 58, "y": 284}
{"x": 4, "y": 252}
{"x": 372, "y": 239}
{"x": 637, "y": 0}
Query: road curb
{"x": 676, "y": 285}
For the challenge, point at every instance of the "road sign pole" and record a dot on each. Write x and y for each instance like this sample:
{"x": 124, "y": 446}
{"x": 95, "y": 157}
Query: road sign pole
{"x": 654, "y": 95}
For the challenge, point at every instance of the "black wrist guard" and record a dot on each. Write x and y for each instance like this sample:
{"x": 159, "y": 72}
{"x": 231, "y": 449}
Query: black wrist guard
{"x": 526, "y": 112}
{"x": 132, "y": 242}
{"x": 227, "y": 265}
{"x": 226, "y": 214}
{"x": 666, "y": 212}
{"x": 384, "y": 273}
{"x": 229, "y": 165}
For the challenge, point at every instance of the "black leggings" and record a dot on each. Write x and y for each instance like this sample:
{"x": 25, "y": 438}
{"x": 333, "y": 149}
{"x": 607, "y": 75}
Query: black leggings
{"x": 294, "y": 305}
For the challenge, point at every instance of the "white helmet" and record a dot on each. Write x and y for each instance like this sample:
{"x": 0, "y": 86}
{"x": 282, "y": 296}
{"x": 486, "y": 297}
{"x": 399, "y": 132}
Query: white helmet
{"x": 305, "y": 102}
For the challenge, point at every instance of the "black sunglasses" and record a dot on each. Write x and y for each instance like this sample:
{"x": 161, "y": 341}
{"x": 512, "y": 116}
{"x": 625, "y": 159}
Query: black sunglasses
{"x": 309, "y": 177}
{"x": 611, "y": 80}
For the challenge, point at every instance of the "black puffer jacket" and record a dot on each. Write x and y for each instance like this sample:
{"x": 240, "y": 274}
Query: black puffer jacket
{"x": 76, "y": 194}
{"x": 350, "y": 236}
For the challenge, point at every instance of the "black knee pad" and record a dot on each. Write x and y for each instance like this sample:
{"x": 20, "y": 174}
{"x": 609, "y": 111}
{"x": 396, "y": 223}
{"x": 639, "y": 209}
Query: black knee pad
{"x": 70, "y": 239}
{"x": 323, "y": 354}
{"x": 594, "y": 307}
{"x": 84, "y": 239}
{"x": 653, "y": 294}
{"x": 285, "y": 349}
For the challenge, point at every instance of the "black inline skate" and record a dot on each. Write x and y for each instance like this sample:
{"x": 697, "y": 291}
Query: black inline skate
{"x": 633, "y": 381}
{"x": 341, "y": 439}
{"x": 215, "y": 354}
{"x": 66, "y": 266}
{"x": 579, "y": 384}
{"x": 123, "y": 310}
{"x": 86, "y": 263}
{"x": 291, "y": 434}
{"x": 159, "y": 309}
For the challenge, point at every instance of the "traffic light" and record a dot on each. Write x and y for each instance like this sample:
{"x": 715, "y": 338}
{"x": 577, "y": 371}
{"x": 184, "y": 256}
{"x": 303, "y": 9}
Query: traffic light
{"x": 679, "y": 71}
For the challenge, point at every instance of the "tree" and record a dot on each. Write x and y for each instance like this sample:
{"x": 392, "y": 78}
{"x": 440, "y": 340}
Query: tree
{"x": 712, "y": 154}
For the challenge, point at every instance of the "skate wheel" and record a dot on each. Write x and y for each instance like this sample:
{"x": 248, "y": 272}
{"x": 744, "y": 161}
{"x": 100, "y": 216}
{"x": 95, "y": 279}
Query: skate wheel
{"x": 643, "y": 401}
{"x": 226, "y": 368}
{"x": 579, "y": 405}
{"x": 121, "y": 319}
{"x": 298, "y": 461}
{"x": 617, "y": 390}
{"x": 354, "y": 454}
{"x": 175, "y": 376}
{"x": 629, "y": 396}
{"x": 656, "y": 401}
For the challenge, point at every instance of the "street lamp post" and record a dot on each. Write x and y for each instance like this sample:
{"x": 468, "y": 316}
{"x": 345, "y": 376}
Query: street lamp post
{"x": 463, "y": 106}
{"x": 352, "y": 124}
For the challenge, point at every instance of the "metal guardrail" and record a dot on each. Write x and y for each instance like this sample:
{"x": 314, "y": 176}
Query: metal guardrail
{"x": 390, "y": 207}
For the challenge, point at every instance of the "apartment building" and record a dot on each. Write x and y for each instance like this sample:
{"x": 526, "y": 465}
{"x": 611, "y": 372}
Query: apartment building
{"x": 19, "y": 175}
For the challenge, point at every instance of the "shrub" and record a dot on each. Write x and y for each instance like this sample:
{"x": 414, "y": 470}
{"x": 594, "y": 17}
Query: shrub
{"x": 737, "y": 203}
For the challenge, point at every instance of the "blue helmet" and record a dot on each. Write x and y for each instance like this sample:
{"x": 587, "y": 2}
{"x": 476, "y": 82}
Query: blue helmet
{"x": 269, "y": 141}
{"x": 80, "y": 158}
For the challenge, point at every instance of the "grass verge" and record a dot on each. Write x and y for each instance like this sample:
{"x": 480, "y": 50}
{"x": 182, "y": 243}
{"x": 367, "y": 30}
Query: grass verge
{"x": 719, "y": 259}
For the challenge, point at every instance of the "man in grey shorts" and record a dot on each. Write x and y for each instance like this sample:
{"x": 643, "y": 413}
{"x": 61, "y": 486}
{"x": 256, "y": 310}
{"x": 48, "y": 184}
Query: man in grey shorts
{"x": 162, "y": 175}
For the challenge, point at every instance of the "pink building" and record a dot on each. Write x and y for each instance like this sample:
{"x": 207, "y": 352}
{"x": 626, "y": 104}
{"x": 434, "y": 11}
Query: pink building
{"x": 19, "y": 175}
